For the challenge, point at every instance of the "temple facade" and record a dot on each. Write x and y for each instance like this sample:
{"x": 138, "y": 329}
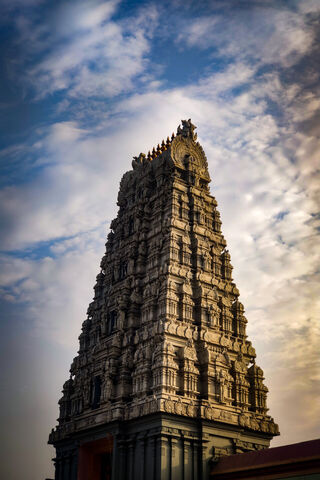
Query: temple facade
{"x": 165, "y": 380}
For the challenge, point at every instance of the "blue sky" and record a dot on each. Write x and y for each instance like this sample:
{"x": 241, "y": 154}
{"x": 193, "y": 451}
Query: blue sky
{"x": 85, "y": 85}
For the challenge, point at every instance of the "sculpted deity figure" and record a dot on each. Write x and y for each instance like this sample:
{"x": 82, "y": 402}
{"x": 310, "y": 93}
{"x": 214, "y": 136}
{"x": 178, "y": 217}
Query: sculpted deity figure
{"x": 135, "y": 297}
{"x": 86, "y": 393}
{"x": 239, "y": 364}
{"x": 138, "y": 160}
{"x": 187, "y": 130}
{"x": 223, "y": 386}
{"x": 107, "y": 389}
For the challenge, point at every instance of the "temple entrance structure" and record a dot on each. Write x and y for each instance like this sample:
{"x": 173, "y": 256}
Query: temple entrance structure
{"x": 165, "y": 380}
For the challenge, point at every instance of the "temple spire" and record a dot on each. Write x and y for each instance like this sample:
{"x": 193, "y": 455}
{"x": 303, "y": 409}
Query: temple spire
{"x": 164, "y": 347}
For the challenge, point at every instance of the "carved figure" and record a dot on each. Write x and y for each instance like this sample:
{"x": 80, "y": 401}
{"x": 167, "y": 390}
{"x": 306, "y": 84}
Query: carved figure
{"x": 187, "y": 130}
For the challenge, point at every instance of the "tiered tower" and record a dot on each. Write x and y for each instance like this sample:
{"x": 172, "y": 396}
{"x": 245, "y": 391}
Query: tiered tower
{"x": 165, "y": 380}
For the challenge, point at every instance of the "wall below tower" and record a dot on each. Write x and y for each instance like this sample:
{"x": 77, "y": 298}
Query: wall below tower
{"x": 159, "y": 447}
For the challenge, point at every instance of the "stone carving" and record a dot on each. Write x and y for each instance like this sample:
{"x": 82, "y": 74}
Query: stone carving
{"x": 187, "y": 130}
{"x": 189, "y": 155}
{"x": 166, "y": 330}
{"x": 140, "y": 160}
{"x": 244, "y": 420}
{"x": 178, "y": 408}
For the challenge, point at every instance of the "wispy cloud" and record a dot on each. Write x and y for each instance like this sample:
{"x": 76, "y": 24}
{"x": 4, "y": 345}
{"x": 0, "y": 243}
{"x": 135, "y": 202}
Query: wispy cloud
{"x": 266, "y": 35}
{"x": 84, "y": 52}
{"x": 54, "y": 288}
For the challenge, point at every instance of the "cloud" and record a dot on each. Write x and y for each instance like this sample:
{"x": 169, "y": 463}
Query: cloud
{"x": 79, "y": 49}
{"x": 54, "y": 289}
{"x": 262, "y": 34}
{"x": 234, "y": 76}
{"x": 309, "y": 6}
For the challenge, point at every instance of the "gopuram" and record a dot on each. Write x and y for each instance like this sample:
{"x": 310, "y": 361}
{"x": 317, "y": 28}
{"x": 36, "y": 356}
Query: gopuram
{"x": 165, "y": 381}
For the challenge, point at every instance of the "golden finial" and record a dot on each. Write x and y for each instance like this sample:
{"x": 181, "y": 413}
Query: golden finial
{"x": 172, "y": 137}
{"x": 149, "y": 156}
{"x": 163, "y": 146}
{"x": 154, "y": 153}
{"x": 158, "y": 149}
{"x": 168, "y": 142}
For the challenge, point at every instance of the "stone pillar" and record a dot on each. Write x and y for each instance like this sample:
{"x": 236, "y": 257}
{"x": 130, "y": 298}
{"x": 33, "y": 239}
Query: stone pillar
{"x": 56, "y": 468}
{"x": 67, "y": 467}
{"x": 176, "y": 459}
{"x": 143, "y": 441}
{"x": 157, "y": 464}
{"x": 120, "y": 459}
{"x": 164, "y": 455}
{"x": 131, "y": 459}
{"x": 188, "y": 473}
{"x": 194, "y": 460}
{"x": 151, "y": 457}
{"x": 74, "y": 465}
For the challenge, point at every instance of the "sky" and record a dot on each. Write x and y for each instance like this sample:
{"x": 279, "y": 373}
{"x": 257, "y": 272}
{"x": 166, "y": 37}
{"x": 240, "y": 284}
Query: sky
{"x": 85, "y": 86}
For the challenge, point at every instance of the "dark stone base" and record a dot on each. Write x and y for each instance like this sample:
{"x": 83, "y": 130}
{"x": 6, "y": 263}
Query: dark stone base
{"x": 154, "y": 447}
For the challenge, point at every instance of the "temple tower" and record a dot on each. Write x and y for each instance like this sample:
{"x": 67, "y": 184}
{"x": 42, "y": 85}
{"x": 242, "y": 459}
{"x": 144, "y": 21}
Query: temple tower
{"x": 165, "y": 380}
